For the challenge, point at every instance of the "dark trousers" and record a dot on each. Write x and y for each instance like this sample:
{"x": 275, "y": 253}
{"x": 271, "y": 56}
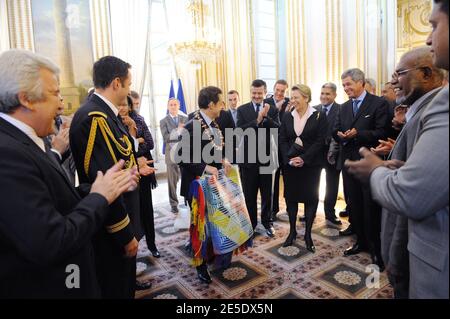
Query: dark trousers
{"x": 276, "y": 192}
{"x": 116, "y": 274}
{"x": 310, "y": 215}
{"x": 400, "y": 283}
{"x": 252, "y": 181}
{"x": 344, "y": 184}
{"x": 365, "y": 214}
{"x": 146, "y": 209}
{"x": 332, "y": 188}
{"x": 225, "y": 260}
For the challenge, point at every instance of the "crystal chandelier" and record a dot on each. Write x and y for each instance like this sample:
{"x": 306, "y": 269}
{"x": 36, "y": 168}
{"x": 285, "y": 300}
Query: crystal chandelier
{"x": 200, "y": 41}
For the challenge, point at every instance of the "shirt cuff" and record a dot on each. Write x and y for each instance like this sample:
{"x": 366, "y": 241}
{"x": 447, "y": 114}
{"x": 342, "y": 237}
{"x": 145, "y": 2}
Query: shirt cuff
{"x": 136, "y": 144}
{"x": 57, "y": 153}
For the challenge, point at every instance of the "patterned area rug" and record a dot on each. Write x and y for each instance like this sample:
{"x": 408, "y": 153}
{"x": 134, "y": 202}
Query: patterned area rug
{"x": 266, "y": 271}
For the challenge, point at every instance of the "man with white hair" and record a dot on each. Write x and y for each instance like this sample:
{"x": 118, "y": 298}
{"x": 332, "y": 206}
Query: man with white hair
{"x": 45, "y": 227}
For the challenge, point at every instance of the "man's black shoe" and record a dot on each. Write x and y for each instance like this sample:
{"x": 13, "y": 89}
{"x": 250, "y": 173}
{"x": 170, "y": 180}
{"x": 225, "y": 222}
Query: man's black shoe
{"x": 347, "y": 232}
{"x": 334, "y": 220}
{"x": 302, "y": 218}
{"x": 143, "y": 285}
{"x": 203, "y": 274}
{"x": 270, "y": 232}
{"x": 343, "y": 213}
{"x": 354, "y": 250}
{"x": 155, "y": 253}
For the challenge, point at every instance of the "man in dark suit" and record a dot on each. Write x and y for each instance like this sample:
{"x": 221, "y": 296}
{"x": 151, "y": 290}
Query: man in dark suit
{"x": 258, "y": 118}
{"x": 330, "y": 108}
{"x": 233, "y": 99}
{"x": 362, "y": 122}
{"x": 45, "y": 227}
{"x": 225, "y": 120}
{"x": 281, "y": 102}
{"x": 203, "y": 123}
{"x": 98, "y": 139}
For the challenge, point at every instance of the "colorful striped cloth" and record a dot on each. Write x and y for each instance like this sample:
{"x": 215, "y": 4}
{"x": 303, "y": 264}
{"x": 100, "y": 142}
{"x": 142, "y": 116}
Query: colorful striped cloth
{"x": 220, "y": 223}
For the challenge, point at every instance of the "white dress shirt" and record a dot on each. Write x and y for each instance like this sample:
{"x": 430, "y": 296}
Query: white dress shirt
{"x": 116, "y": 113}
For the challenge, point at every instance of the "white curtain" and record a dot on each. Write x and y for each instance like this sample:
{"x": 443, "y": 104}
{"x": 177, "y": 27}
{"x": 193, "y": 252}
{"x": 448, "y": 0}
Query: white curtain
{"x": 130, "y": 25}
{"x": 4, "y": 30}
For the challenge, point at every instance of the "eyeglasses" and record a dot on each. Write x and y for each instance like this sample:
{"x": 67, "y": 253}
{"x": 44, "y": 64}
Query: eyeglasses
{"x": 396, "y": 74}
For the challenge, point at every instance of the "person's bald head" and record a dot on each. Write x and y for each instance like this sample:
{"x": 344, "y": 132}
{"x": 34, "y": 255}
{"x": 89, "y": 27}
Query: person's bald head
{"x": 422, "y": 57}
{"x": 415, "y": 75}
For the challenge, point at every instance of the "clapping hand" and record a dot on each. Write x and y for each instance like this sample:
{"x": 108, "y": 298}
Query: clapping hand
{"x": 263, "y": 113}
{"x": 60, "y": 142}
{"x": 115, "y": 182}
{"x": 399, "y": 119}
{"x": 363, "y": 169}
{"x": 384, "y": 148}
{"x": 144, "y": 168}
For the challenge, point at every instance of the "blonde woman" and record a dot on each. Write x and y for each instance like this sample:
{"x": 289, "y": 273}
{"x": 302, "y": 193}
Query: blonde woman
{"x": 302, "y": 137}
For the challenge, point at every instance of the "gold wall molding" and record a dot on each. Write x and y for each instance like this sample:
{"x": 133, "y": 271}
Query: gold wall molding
{"x": 20, "y": 24}
{"x": 413, "y": 27}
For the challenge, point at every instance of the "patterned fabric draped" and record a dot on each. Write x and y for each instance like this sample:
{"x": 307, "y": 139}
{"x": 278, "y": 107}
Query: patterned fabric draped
{"x": 220, "y": 223}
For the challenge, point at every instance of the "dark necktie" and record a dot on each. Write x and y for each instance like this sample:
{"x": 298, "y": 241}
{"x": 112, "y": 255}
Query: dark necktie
{"x": 175, "y": 120}
{"x": 258, "y": 107}
{"x": 326, "y": 109}
{"x": 54, "y": 157}
{"x": 355, "y": 107}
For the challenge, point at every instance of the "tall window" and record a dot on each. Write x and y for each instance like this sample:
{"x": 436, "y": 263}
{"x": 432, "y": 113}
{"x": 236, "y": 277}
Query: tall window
{"x": 161, "y": 69}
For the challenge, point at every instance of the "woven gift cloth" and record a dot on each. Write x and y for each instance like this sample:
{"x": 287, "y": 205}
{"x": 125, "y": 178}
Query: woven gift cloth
{"x": 220, "y": 223}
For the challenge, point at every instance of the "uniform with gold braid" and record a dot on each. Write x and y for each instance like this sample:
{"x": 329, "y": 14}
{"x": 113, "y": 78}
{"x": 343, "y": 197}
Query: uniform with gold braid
{"x": 99, "y": 140}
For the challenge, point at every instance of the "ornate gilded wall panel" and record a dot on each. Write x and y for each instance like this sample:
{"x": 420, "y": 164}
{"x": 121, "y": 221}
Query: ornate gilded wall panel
{"x": 412, "y": 24}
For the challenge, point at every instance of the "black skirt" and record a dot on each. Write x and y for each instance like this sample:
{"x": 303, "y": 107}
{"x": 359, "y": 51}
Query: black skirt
{"x": 301, "y": 184}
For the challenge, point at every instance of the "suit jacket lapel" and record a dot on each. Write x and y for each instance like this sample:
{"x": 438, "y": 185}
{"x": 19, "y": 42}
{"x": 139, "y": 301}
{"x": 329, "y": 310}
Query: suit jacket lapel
{"x": 403, "y": 131}
{"x": 17, "y": 134}
{"x": 170, "y": 122}
{"x": 363, "y": 107}
{"x": 252, "y": 108}
{"x": 424, "y": 104}
{"x": 332, "y": 114}
{"x": 249, "y": 112}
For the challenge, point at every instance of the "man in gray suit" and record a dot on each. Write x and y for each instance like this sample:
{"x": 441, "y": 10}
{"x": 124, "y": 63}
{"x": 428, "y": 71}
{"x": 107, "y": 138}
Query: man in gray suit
{"x": 416, "y": 82}
{"x": 169, "y": 125}
{"x": 419, "y": 188}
